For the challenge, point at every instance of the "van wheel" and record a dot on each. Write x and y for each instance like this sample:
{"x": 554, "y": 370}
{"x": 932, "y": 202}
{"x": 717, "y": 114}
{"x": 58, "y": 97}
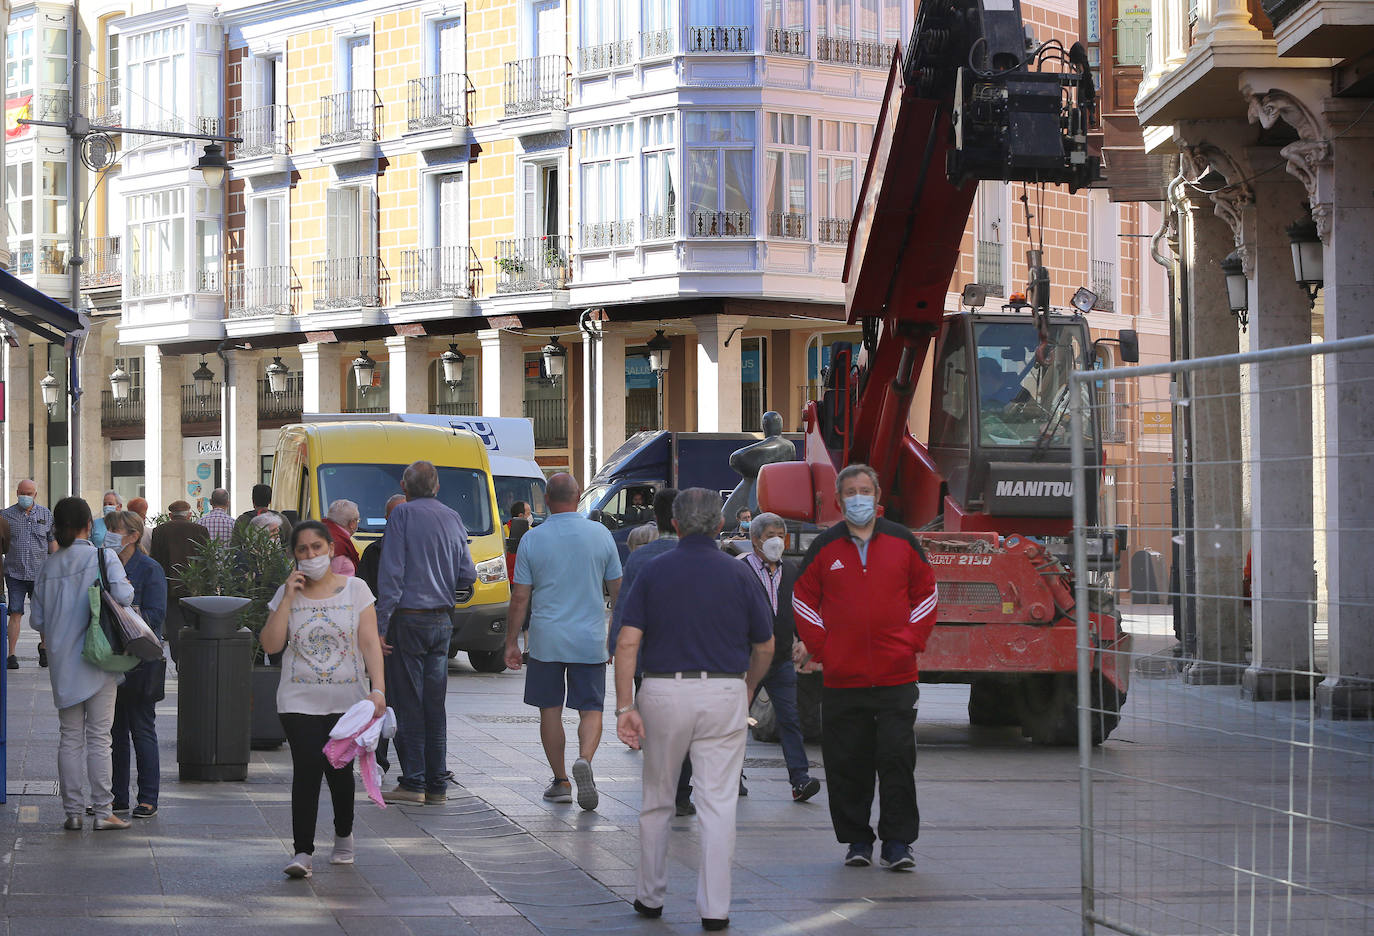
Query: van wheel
{"x": 488, "y": 661}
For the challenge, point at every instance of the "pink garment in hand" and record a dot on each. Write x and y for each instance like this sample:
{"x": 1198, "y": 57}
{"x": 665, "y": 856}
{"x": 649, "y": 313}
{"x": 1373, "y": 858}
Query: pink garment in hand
{"x": 355, "y": 736}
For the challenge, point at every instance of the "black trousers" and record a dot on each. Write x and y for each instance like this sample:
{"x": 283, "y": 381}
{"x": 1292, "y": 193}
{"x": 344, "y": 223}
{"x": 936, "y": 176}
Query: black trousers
{"x": 868, "y": 732}
{"x": 307, "y": 734}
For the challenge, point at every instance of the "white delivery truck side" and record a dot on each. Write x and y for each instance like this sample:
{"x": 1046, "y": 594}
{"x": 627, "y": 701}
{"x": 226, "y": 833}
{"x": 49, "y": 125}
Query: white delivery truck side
{"x": 510, "y": 449}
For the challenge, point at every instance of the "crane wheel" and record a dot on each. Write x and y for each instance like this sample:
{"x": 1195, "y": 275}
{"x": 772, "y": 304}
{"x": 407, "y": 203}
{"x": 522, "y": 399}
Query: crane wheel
{"x": 994, "y": 702}
{"x": 1050, "y": 709}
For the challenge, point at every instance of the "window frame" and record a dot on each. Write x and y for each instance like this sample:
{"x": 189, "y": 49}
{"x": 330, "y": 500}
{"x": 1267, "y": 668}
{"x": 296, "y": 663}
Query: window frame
{"x": 720, "y": 225}
{"x": 787, "y": 224}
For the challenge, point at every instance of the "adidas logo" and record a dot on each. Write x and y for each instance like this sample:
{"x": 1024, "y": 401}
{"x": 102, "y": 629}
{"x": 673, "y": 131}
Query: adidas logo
{"x": 837, "y": 564}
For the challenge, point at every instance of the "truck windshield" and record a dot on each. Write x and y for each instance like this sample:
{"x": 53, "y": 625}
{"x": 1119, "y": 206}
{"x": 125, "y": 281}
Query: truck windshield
{"x": 1022, "y": 401}
{"x": 464, "y": 489}
{"x": 510, "y": 489}
{"x": 591, "y": 498}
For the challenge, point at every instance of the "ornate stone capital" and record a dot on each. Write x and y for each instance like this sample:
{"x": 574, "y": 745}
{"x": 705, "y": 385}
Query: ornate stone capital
{"x": 1296, "y": 99}
{"x": 1309, "y": 161}
{"x": 1229, "y": 201}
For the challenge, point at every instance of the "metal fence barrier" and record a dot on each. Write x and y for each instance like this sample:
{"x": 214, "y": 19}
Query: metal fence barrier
{"x": 1235, "y": 795}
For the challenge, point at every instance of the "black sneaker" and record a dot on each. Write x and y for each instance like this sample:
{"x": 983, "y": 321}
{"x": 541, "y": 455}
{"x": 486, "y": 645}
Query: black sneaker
{"x": 645, "y": 910}
{"x": 43, "y": 657}
{"x": 686, "y": 808}
{"x": 801, "y": 792}
{"x": 897, "y": 856}
{"x": 860, "y": 855}
{"x": 12, "y": 662}
{"x": 144, "y": 811}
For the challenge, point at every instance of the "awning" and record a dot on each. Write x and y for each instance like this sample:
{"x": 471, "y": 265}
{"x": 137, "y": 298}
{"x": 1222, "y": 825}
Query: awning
{"x": 35, "y": 311}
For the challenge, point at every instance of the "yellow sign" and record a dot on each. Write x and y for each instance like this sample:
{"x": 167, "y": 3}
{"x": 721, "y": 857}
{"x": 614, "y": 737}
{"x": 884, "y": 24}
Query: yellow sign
{"x": 1161, "y": 423}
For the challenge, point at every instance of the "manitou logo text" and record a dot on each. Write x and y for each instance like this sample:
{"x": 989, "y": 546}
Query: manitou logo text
{"x": 1034, "y": 488}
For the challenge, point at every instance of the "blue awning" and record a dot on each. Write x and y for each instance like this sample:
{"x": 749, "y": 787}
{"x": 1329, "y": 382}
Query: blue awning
{"x": 35, "y": 311}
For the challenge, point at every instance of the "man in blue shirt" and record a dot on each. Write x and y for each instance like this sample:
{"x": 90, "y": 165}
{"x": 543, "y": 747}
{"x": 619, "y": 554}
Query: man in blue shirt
{"x": 563, "y": 568}
{"x": 425, "y": 563}
{"x": 31, "y": 540}
{"x": 706, "y": 629}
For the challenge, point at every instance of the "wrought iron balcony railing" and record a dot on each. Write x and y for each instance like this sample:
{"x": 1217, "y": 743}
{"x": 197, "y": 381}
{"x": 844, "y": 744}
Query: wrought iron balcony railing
{"x": 1103, "y": 279}
{"x": 201, "y": 409}
{"x": 656, "y": 43}
{"x": 709, "y": 39}
{"x": 605, "y": 55}
{"x": 255, "y": 291}
{"x": 1132, "y": 39}
{"x": 862, "y": 52}
{"x": 350, "y": 116}
{"x": 536, "y": 84}
{"x": 103, "y": 98}
{"x": 167, "y": 282}
{"x": 103, "y": 262}
{"x": 439, "y": 101}
{"x": 285, "y": 405}
{"x": 457, "y": 408}
{"x": 658, "y": 226}
{"x": 719, "y": 224}
{"x": 127, "y": 412}
{"x": 550, "y": 418}
{"x": 266, "y": 131}
{"x": 347, "y": 283}
{"x": 787, "y": 42}
{"x": 832, "y": 230}
{"x": 434, "y": 273}
{"x": 788, "y": 224}
{"x": 600, "y": 234}
{"x": 527, "y": 264}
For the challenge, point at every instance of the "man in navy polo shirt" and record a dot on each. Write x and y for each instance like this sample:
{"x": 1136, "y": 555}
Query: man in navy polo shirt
{"x": 706, "y": 630}
{"x": 561, "y": 567}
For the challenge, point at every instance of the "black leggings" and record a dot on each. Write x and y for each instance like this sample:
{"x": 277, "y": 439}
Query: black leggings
{"x": 307, "y": 734}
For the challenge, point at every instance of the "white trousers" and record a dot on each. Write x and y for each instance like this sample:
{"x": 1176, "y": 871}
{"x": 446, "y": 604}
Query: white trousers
{"x": 83, "y": 752}
{"x": 709, "y": 718}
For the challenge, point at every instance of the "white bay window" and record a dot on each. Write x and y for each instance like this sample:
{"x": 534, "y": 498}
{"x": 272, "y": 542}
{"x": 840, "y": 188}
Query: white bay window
{"x": 660, "y": 178}
{"x": 157, "y": 243}
{"x": 841, "y": 155}
{"x": 608, "y": 184}
{"x": 720, "y": 173}
{"x": 605, "y": 40}
{"x": 785, "y": 171}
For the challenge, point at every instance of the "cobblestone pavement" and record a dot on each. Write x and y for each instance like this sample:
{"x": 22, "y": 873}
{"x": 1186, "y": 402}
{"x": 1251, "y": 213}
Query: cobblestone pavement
{"x": 998, "y": 853}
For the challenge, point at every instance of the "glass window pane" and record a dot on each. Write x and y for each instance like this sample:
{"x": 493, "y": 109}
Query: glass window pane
{"x": 702, "y": 184}
{"x": 738, "y": 179}
{"x": 796, "y": 183}
{"x": 742, "y": 126}
{"x": 773, "y": 169}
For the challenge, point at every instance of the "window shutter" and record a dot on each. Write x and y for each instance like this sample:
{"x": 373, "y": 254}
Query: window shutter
{"x": 530, "y": 198}
{"x": 334, "y": 222}
{"x": 276, "y": 224}
{"x": 370, "y": 217}
{"x": 451, "y": 226}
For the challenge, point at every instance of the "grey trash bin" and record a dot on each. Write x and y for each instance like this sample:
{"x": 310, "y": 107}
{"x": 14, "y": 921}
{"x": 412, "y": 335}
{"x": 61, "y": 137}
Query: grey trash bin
{"x": 1147, "y": 577}
{"x": 213, "y": 711}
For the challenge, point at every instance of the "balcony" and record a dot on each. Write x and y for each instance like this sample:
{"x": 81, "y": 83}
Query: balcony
{"x": 103, "y": 102}
{"x": 860, "y": 52}
{"x": 347, "y": 283}
{"x": 788, "y": 224}
{"x": 434, "y": 274}
{"x": 267, "y": 133}
{"x": 658, "y": 226}
{"x": 350, "y": 126}
{"x": 719, "y": 224}
{"x": 1131, "y": 39}
{"x": 253, "y": 292}
{"x": 458, "y": 408}
{"x": 52, "y": 258}
{"x": 166, "y": 283}
{"x": 531, "y": 264}
{"x": 123, "y": 418}
{"x": 600, "y": 235}
{"x": 102, "y": 264}
{"x": 535, "y": 95}
{"x": 988, "y": 263}
{"x": 277, "y": 409}
{"x": 656, "y": 43}
{"x": 200, "y": 412}
{"x": 52, "y": 104}
{"x": 550, "y": 418}
{"x": 1103, "y": 282}
{"x": 441, "y": 102}
{"x": 787, "y": 42}
{"x": 605, "y": 55}
{"x": 832, "y": 230}
{"x": 711, "y": 40}
{"x": 1336, "y": 29}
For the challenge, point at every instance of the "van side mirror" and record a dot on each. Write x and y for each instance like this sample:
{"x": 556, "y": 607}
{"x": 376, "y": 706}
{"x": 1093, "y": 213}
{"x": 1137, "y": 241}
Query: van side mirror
{"x": 1130, "y": 345}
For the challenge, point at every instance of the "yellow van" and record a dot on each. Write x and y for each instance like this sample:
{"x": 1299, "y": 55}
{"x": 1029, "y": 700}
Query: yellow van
{"x": 318, "y": 463}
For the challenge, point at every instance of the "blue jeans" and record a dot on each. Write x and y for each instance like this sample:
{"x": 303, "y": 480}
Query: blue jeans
{"x": 134, "y": 718}
{"x": 781, "y": 683}
{"x": 417, "y": 682}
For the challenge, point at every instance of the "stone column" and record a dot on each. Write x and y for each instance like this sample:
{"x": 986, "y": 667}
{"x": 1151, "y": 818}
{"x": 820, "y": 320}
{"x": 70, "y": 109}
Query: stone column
{"x": 502, "y": 373}
{"x": 718, "y": 372}
{"x": 20, "y": 385}
{"x": 409, "y": 375}
{"x": 1281, "y": 445}
{"x": 610, "y": 411}
{"x": 321, "y": 365}
{"x": 240, "y": 428}
{"x": 1348, "y": 297}
{"x": 1218, "y": 500}
{"x": 163, "y": 463}
{"x": 93, "y": 370}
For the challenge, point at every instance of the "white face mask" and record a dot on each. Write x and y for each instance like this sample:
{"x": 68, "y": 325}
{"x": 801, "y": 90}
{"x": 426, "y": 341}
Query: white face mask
{"x": 772, "y": 548}
{"x": 314, "y": 568}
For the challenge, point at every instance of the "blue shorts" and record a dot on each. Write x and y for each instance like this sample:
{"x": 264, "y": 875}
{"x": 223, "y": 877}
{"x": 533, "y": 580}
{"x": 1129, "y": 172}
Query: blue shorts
{"x": 18, "y": 590}
{"x": 578, "y": 686}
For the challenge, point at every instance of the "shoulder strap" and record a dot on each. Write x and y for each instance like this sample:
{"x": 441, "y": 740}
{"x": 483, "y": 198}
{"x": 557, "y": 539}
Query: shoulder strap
{"x": 100, "y": 568}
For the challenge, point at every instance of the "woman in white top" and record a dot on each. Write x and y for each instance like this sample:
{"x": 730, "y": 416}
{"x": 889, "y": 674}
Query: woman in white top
{"x": 325, "y": 626}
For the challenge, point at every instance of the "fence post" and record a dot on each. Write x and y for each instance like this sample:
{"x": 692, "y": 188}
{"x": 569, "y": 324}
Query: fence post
{"x": 1085, "y": 742}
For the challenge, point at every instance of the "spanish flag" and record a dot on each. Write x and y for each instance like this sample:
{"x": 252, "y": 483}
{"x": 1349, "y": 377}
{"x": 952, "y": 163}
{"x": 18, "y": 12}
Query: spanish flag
{"x": 17, "y": 109}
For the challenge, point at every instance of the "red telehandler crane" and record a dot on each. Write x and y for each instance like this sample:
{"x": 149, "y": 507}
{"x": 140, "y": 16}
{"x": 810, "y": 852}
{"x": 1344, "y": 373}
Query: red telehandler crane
{"x": 975, "y": 97}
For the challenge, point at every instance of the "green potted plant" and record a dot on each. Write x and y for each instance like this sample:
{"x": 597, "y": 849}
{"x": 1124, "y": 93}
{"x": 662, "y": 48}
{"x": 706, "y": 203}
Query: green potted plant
{"x": 252, "y": 566}
{"x": 511, "y": 266}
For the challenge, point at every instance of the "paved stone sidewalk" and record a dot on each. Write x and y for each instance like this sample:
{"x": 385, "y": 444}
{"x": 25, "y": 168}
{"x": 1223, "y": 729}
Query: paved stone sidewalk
{"x": 997, "y": 855}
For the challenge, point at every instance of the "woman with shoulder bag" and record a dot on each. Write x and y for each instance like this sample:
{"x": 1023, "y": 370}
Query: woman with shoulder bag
{"x": 84, "y": 694}
{"x": 325, "y": 626}
{"x": 145, "y": 684}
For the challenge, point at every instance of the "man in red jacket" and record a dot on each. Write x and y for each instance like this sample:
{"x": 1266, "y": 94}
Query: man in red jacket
{"x": 865, "y": 606}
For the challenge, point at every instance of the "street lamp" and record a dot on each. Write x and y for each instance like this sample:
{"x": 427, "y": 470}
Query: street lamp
{"x": 1237, "y": 288}
{"x": 452, "y": 361}
{"x": 660, "y": 349}
{"x": 204, "y": 380}
{"x": 120, "y": 382}
{"x": 1306, "y": 244}
{"x": 555, "y": 358}
{"x": 51, "y": 392}
{"x": 213, "y": 166}
{"x": 363, "y": 369}
{"x": 277, "y": 373}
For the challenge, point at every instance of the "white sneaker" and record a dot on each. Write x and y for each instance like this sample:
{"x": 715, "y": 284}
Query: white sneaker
{"x": 343, "y": 850}
{"x": 299, "y": 867}
{"x": 587, "y": 796}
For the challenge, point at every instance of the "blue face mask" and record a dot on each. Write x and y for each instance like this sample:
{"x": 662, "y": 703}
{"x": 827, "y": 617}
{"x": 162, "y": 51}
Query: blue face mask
{"x": 859, "y": 509}
{"x": 114, "y": 540}
{"x": 744, "y": 526}
{"x": 26, "y": 501}
{"x": 109, "y": 509}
